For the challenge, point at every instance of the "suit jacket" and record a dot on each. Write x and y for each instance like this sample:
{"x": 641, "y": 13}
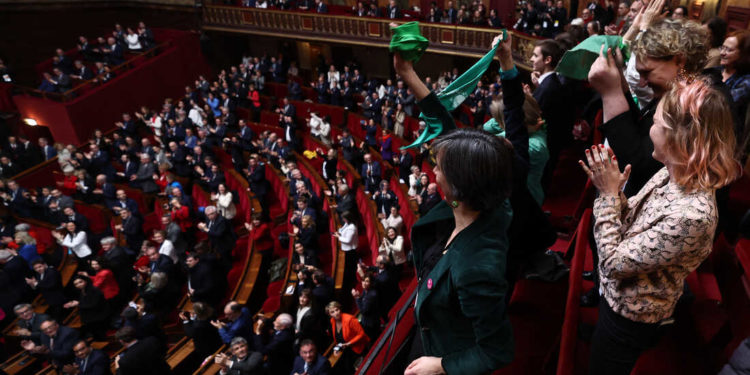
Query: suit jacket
{"x": 18, "y": 203}
{"x": 321, "y": 366}
{"x": 250, "y": 365}
{"x": 61, "y": 350}
{"x": 404, "y": 166}
{"x": 460, "y": 307}
{"x": 368, "y": 306}
{"x": 220, "y": 235}
{"x": 162, "y": 264}
{"x": 97, "y": 363}
{"x": 50, "y": 287}
{"x": 371, "y": 182}
{"x": 33, "y": 325}
{"x": 257, "y": 180}
{"x": 145, "y": 179}
{"x": 552, "y": 100}
{"x": 131, "y": 205}
{"x": 145, "y": 357}
{"x": 133, "y": 231}
{"x": 279, "y": 349}
{"x": 203, "y": 282}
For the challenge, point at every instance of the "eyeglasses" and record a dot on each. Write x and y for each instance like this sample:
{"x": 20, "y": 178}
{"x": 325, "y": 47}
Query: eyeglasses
{"x": 727, "y": 49}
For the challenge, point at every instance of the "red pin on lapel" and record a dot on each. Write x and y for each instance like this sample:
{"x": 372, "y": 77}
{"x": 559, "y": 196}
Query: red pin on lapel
{"x": 429, "y": 283}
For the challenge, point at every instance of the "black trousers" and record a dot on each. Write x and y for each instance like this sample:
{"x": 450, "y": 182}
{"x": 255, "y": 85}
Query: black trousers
{"x": 618, "y": 342}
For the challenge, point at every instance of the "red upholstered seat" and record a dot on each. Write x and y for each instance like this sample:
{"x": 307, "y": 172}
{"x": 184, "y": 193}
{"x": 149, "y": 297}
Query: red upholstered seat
{"x": 271, "y": 304}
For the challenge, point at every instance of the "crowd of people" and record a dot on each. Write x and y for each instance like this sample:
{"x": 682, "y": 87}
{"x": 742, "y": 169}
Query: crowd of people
{"x": 95, "y": 60}
{"x": 663, "y": 197}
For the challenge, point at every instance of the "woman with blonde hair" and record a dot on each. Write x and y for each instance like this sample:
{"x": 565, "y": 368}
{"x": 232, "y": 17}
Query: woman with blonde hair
{"x": 650, "y": 243}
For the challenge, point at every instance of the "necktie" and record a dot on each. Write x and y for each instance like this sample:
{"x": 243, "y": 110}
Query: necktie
{"x": 306, "y": 367}
{"x": 51, "y": 343}
{"x": 83, "y": 365}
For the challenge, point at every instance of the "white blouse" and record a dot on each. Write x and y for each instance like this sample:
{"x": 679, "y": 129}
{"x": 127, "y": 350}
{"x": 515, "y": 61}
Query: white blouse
{"x": 78, "y": 244}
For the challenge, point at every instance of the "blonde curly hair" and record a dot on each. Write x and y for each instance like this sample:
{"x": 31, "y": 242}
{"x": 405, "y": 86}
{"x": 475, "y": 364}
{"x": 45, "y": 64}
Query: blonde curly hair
{"x": 667, "y": 38}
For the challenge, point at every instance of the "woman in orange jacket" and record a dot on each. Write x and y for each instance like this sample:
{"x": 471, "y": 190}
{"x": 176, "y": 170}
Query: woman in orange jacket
{"x": 349, "y": 336}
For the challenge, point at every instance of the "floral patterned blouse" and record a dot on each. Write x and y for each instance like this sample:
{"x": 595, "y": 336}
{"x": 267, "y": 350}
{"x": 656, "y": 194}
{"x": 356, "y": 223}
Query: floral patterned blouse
{"x": 650, "y": 243}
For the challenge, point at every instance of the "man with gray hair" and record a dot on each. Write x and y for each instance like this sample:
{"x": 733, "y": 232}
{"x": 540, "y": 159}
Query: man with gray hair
{"x": 120, "y": 261}
{"x": 29, "y": 323}
{"x": 220, "y": 234}
{"x": 242, "y": 362}
{"x": 279, "y": 346}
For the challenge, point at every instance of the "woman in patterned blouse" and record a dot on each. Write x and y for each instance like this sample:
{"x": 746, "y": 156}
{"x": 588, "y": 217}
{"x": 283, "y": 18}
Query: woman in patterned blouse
{"x": 648, "y": 244}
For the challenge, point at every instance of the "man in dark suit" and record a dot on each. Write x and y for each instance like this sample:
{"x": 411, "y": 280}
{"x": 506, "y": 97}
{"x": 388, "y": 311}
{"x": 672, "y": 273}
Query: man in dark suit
{"x": 430, "y": 200}
{"x": 405, "y": 161}
{"x": 392, "y": 11}
{"x": 122, "y": 201}
{"x": 144, "y": 176}
{"x": 385, "y": 198}
{"x": 141, "y": 357}
{"x": 320, "y": 6}
{"x": 280, "y": 346}
{"x": 48, "y": 152}
{"x": 113, "y": 52}
{"x": 88, "y": 361}
{"x": 246, "y": 136}
{"x": 16, "y": 199}
{"x": 242, "y": 362}
{"x": 202, "y": 281}
{"x": 82, "y": 72}
{"x": 60, "y": 80}
{"x": 220, "y": 234}
{"x": 371, "y": 174}
{"x": 69, "y": 214}
{"x": 8, "y": 168}
{"x": 29, "y": 325}
{"x": 30, "y": 154}
{"x": 451, "y": 13}
{"x": 551, "y": 98}
{"x": 158, "y": 262}
{"x": 48, "y": 283}
{"x": 56, "y": 343}
{"x": 309, "y": 361}
{"x": 130, "y": 168}
{"x": 131, "y": 228}
{"x": 17, "y": 269}
{"x": 99, "y": 162}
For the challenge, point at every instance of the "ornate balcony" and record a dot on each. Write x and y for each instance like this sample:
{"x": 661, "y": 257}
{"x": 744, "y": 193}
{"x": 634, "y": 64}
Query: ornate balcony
{"x": 367, "y": 31}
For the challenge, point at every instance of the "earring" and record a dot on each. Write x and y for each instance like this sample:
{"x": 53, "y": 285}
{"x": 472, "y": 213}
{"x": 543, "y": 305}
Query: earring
{"x": 454, "y": 204}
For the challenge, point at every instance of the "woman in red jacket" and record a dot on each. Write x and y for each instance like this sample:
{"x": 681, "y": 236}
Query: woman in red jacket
{"x": 349, "y": 336}
{"x": 260, "y": 233}
{"x": 102, "y": 278}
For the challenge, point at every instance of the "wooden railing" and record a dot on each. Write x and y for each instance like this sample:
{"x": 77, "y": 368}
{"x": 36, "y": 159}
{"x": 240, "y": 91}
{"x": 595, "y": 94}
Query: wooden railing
{"x": 375, "y": 32}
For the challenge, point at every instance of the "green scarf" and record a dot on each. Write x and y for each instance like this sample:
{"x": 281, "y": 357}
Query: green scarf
{"x": 577, "y": 62}
{"x": 453, "y": 96}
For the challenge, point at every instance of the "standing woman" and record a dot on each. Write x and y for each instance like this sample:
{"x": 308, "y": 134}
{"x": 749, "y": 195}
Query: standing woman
{"x": 460, "y": 248}
{"x": 224, "y": 202}
{"x": 735, "y": 65}
{"x": 76, "y": 241}
{"x": 650, "y": 243}
{"x": 349, "y": 240}
{"x": 92, "y": 307}
{"x": 348, "y": 335}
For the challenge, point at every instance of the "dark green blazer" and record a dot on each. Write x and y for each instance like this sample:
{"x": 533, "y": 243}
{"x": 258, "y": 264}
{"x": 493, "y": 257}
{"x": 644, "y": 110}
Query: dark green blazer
{"x": 460, "y": 308}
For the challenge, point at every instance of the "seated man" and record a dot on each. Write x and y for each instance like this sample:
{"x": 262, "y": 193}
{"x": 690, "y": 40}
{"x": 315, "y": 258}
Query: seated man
{"x": 56, "y": 343}
{"x": 309, "y": 361}
{"x": 238, "y": 322}
{"x": 242, "y": 362}
{"x": 29, "y": 325}
{"x": 89, "y": 361}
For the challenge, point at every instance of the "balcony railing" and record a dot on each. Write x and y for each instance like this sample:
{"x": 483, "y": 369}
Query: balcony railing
{"x": 374, "y": 32}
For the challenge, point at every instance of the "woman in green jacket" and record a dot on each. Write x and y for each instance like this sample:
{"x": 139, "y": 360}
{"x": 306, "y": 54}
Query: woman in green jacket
{"x": 460, "y": 247}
